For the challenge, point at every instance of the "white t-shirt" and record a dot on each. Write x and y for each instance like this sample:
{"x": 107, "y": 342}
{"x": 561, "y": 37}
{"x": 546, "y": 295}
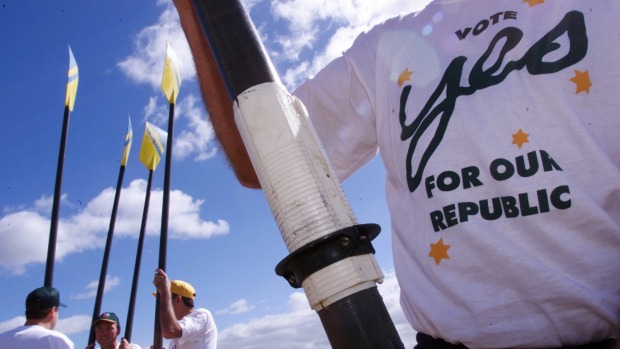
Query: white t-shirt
{"x": 118, "y": 344}
{"x": 199, "y": 331}
{"x": 34, "y": 337}
{"x": 498, "y": 123}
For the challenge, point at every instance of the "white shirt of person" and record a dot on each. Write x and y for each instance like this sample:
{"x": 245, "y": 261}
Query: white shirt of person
{"x": 35, "y": 337}
{"x": 118, "y": 344}
{"x": 199, "y": 331}
{"x": 497, "y": 123}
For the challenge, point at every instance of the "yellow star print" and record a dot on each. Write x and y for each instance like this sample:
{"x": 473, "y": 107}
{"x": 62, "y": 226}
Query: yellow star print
{"x": 439, "y": 251}
{"x": 519, "y": 138}
{"x": 533, "y": 3}
{"x": 582, "y": 80}
{"x": 404, "y": 76}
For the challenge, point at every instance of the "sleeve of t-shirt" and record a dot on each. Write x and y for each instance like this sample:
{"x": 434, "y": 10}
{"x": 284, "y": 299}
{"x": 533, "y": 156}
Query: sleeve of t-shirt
{"x": 193, "y": 327}
{"x": 340, "y": 104}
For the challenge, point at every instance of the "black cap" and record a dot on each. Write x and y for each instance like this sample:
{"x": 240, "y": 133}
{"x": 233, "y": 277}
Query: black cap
{"x": 43, "y": 298}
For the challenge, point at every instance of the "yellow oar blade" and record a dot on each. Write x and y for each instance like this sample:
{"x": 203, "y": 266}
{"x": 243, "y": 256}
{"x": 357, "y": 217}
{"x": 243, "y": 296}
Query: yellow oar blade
{"x": 153, "y": 146}
{"x": 171, "y": 79}
{"x": 127, "y": 148}
{"x": 72, "y": 82}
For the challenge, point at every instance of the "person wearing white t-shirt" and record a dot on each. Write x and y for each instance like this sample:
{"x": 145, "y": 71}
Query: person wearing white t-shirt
{"x": 185, "y": 326}
{"x": 497, "y": 122}
{"x": 41, "y": 319}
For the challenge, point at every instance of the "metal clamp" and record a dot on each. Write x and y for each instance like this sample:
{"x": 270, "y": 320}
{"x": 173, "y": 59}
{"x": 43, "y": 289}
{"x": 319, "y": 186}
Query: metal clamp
{"x": 329, "y": 249}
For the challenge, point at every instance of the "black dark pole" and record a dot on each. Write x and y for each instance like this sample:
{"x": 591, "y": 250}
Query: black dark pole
{"x": 236, "y": 46}
{"x": 163, "y": 237}
{"x": 136, "y": 269}
{"x": 158, "y": 340}
{"x": 359, "y": 320}
{"x": 51, "y": 248}
{"x": 106, "y": 254}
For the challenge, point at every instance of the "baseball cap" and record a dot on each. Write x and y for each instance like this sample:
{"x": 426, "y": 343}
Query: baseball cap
{"x": 108, "y": 317}
{"x": 181, "y": 288}
{"x": 43, "y": 298}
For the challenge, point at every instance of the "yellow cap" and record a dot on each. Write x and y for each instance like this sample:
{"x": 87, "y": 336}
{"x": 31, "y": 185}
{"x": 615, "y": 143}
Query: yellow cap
{"x": 182, "y": 288}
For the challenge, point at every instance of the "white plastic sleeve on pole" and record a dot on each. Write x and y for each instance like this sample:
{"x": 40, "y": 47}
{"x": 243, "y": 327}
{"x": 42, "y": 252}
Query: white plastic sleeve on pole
{"x": 305, "y": 196}
{"x": 341, "y": 279}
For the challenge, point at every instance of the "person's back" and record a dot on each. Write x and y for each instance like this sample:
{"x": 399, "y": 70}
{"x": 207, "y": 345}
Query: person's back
{"x": 33, "y": 337}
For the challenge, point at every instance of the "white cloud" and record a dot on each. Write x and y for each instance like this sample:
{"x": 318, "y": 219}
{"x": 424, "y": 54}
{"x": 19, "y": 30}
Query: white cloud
{"x": 73, "y": 324}
{"x": 146, "y": 64}
{"x": 239, "y": 307}
{"x": 301, "y": 326}
{"x": 156, "y": 113}
{"x": 44, "y": 204}
{"x": 88, "y": 228}
{"x": 12, "y": 323}
{"x": 91, "y": 289}
{"x": 298, "y": 301}
{"x": 198, "y": 138}
{"x": 184, "y": 213}
{"x": 18, "y": 249}
{"x": 296, "y": 329}
{"x": 306, "y": 18}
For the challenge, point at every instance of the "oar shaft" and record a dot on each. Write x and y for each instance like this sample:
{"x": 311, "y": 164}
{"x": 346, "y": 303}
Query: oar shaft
{"x": 106, "y": 254}
{"x": 136, "y": 269}
{"x": 163, "y": 238}
{"x": 51, "y": 249}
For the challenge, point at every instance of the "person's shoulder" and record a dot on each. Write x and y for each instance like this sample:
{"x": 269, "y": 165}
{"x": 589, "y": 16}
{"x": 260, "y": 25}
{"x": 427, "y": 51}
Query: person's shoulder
{"x": 202, "y": 311}
{"x": 62, "y": 337}
{"x": 204, "y": 314}
{"x": 59, "y": 337}
{"x": 59, "y": 334}
{"x": 375, "y": 32}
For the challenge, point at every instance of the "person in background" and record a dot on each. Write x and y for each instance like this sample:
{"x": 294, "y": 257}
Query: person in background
{"x": 497, "y": 122}
{"x": 42, "y": 305}
{"x": 185, "y": 326}
{"x": 107, "y": 329}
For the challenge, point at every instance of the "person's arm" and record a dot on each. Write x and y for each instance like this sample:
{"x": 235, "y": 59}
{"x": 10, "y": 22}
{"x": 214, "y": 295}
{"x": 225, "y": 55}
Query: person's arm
{"x": 215, "y": 96}
{"x": 168, "y": 323}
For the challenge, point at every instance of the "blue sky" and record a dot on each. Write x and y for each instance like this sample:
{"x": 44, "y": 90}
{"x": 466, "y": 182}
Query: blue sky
{"x": 222, "y": 237}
